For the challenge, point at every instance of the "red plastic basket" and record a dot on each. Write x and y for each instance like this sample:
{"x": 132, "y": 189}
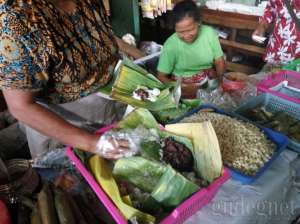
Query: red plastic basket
{"x": 284, "y": 84}
{"x": 186, "y": 209}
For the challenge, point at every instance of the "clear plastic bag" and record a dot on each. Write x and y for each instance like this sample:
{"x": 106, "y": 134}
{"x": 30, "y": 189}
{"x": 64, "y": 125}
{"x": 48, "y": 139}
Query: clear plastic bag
{"x": 116, "y": 144}
{"x": 217, "y": 98}
{"x": 227, "y": 100}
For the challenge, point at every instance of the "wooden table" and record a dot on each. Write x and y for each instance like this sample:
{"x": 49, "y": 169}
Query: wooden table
{"x": 235, "y": 22}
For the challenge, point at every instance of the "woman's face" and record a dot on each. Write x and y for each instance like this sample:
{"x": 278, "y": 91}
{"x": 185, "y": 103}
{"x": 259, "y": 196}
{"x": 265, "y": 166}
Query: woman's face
{"x": 187, "y": 29}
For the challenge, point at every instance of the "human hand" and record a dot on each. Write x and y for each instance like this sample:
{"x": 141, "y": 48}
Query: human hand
{"x": 111, "y": 147}
{"x": 258, "y": 39}
{"x": 116, "y": 144}
{"x": 258, "y": 34}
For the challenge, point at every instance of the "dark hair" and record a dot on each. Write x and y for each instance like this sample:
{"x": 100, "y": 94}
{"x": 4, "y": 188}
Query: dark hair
{"x": 185, "y": 8}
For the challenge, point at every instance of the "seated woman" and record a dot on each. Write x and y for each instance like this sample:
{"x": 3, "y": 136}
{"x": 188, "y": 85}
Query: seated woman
{"x": 193, "y": 53}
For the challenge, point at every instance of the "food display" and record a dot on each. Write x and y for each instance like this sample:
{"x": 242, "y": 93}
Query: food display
{"x": 171, "y": 165}
{"x": 278, "y": 121}
{"x": 243, "y": 146}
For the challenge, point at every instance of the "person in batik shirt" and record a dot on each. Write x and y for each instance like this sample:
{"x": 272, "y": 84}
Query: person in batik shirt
{"x": 284, "y": 42}
{"x": 54, "y": 56}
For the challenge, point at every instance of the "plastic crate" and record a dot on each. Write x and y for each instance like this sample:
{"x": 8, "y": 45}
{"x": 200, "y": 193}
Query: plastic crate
{"x": 284, "y": 84}
{"x": 280, "y": 140}
{"x": 274, "y": 104}
{"x": 183, "y": 211}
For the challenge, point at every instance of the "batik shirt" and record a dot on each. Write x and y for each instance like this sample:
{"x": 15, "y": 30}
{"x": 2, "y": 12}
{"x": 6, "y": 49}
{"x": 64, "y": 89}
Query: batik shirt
{"x": 284, "y": 43}
{"x": 62, "y": 56}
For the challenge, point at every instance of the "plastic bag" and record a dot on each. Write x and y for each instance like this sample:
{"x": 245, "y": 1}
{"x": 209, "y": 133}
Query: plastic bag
{"x": 227, "y": 100}
{"x": 218, "y": 98}
{"x": 116, "y": 144}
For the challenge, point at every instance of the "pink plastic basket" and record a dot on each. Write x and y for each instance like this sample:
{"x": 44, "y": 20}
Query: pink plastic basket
{"x": 186, "y": 209}
{"x": 273, "y": 84}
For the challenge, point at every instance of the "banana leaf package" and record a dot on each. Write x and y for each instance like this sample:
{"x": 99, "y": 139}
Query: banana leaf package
{"x": 138, "y": 88}
{"x": 178, "y": 140}
{"x": 160, "y": 167}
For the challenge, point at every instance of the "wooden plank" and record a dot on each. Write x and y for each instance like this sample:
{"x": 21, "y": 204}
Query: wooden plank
{"x": 229, "y": 19}
{"x": 244, "y": 47}
{"x": 230, "y": 66}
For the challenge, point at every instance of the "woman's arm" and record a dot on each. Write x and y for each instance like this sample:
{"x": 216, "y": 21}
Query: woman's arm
{"x": 22, "y": 105}
{"x": 164, "y": 77}
{"x": 220, "y": 67}
{"x": 261, "y": 28}
{"x": 266, "y": 19}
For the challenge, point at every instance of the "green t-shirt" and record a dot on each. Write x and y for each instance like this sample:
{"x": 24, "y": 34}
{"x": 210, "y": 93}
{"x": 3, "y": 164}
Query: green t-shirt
{"x": 186, "y": 59}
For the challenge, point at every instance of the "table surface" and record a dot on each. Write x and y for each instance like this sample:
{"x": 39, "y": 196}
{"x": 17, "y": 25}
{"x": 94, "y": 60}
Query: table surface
{"x": 273, "y": 198}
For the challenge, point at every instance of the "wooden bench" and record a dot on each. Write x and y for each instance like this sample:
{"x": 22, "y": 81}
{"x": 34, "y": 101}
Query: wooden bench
{"x": 236, "y": 23}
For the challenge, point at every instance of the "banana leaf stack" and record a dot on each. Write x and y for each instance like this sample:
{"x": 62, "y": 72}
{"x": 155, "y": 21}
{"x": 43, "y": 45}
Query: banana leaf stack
{"x": 154, "y": 180}
{"x": 130, "y": 77}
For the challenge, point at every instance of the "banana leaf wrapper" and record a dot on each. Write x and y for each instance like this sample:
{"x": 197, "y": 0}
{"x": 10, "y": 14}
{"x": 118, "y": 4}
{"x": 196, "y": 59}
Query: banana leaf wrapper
{"x": 130, "y": 76}
{"x": 166, "y": 186}
{"x": 103, "y": 174}
{"x": 167, "y": 115}
{"x": 138, "y": 117}
{"x": 150, "y": 149}
{"x": 138, "y": 171}
{"x": 173, "y": 188}
{"x": 206, "y": 151}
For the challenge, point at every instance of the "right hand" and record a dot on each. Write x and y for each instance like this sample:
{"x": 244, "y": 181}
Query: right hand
{"x": 258, "y": 32}
{"x": 112, "y": 148}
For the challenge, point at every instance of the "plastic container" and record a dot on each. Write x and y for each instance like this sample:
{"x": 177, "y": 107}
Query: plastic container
{"x": 280, "y": 140}
{"x": 183, "y": 211}
{"x": 274, "y": 104}
{"x": 284, "y": 84}
{"x": 233, "y": 81}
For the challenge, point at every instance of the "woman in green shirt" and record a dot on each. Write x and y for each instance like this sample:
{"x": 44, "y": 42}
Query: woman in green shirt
{"x": 193, "y": 53}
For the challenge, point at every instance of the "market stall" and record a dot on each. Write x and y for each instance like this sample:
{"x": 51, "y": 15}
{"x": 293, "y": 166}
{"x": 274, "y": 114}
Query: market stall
{"x": 197, "y": 143}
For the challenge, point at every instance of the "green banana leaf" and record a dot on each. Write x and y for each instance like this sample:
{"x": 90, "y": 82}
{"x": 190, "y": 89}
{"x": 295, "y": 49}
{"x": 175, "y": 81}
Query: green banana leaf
{"x": 139, "y": 117}
{"x": 151, "y": 150}
{"x": 167, "y": 115}
{"x": 184, "y": 140}
{"x": 130, "y": 76}
{"x": 138, "y": 171}
{"x": 127, "y": 62}
{"x": 173, "y": 188}
{"x": 165, "y": 99}
{"x": 166, "y": 186}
